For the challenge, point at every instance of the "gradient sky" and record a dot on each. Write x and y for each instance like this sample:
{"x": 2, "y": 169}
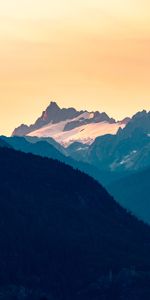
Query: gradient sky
{"x": 90, "y": 54}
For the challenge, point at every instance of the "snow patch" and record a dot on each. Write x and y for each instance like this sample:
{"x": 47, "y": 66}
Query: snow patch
{"x": 85, "y": 133}
{"x": 127, "y": 161}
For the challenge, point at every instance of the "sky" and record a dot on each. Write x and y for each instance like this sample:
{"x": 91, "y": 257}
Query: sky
{"x": 90, "y": 54}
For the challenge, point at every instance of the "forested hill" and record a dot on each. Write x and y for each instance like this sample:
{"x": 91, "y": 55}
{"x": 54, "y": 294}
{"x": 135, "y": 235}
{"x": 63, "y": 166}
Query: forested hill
{"x": 59, "y": 228}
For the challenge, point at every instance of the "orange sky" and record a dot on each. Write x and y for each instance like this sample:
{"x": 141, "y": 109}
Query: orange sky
{"x": 91, "y": 54}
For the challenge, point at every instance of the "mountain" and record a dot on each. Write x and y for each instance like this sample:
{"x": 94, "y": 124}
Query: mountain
{"x": 140, "y": 122}
{"x": 47, "y": 147}
{"x": 36, "y": 146}
{"x": 53, "y": 114}
{"x": 67, "y": 125}
{"x": 128, "y": 150}
{"x": 110, "y": 156}
{"x": 133, "y": 192}
{"x": 49, "y": 140}
{"x": 77, "y": 151}
{"x": 4, "y": 144}
{"x": 61, "y": 232}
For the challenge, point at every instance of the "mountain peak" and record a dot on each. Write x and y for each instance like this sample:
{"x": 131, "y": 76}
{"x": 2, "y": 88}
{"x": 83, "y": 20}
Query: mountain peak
{"x": 53, "y": 114}
{"x": 68, "y": 124}
{"x": 142, "y": 114}
{"x": 53, "y": 104}
{"x": 53, "y": 108}
{"x": 140, "y": 122}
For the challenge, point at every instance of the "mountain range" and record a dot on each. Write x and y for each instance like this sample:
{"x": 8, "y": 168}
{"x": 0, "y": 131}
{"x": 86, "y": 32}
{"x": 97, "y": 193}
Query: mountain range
{"x": 129, "y": 149}
{"x": 63, "y": 236}
{"x": 94, "y": 137}
{"x": 51, "y": 149}
{"x": 112, "y": 159}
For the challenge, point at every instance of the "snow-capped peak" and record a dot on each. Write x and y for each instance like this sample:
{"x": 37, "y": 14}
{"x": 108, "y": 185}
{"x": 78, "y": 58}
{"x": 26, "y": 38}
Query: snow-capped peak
{"x": 67, "y": 125}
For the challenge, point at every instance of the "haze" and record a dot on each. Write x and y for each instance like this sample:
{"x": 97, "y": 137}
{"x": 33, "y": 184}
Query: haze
{"x": 88, "y": 54}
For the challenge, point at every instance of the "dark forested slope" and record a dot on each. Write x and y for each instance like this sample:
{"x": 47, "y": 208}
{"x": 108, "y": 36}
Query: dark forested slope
{"x": 60, "y": 230}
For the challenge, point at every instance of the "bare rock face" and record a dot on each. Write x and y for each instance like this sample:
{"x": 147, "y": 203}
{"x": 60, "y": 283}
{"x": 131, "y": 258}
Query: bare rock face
{"x": 21, "y": 130}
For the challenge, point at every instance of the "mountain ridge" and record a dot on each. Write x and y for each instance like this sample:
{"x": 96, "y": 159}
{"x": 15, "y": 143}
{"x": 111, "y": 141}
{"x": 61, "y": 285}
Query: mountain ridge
{"x": 72, "y": 125}
{"x": 127, "y": 150}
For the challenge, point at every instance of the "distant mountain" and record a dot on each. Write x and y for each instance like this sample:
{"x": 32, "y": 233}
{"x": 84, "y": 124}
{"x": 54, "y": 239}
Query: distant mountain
{"x": 68, "y": 125}
{"x": 53, "y": 114}
{"x": 133, "y": 193}
{"x": 110, "y": 156}
{"x": 115, "y": 155}
{"x": 77, "y": 150}
{"x": 60, "y": 232}
{"x": 128, "y": 150}
{"x": 140, "y": 122}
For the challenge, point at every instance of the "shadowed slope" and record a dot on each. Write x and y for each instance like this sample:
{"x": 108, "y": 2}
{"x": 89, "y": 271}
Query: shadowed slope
{"x": 59, "y": 229}
{"x": 133, "y": 192}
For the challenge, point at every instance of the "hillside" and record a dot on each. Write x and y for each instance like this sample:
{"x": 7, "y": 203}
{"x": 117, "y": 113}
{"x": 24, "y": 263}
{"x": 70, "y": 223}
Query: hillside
{"x": 49, "y": 148}
{"x": 60, "y": 230}
{"x": 133, "y": 192}
{"x": 4, "y": 144}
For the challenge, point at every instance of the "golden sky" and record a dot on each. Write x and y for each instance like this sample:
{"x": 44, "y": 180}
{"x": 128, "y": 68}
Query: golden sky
{"x": 90, "y": 54}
